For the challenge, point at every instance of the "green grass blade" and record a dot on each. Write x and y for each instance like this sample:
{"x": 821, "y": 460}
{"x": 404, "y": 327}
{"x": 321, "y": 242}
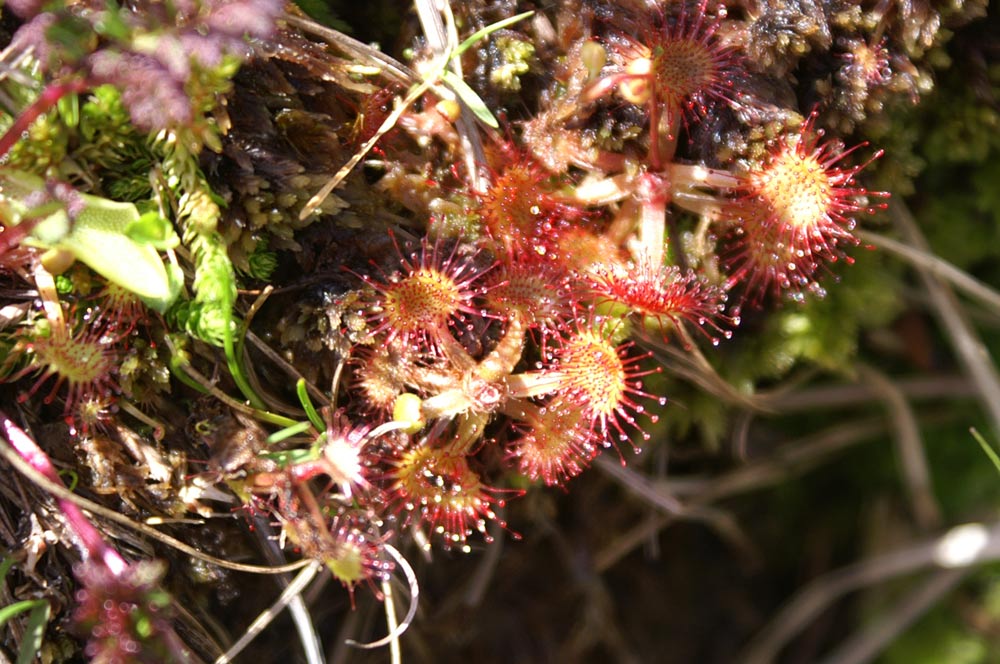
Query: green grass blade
{"x": 307, "y": 405}
{"x": 990, "y": 452}
{"x": 485, "y": 32}
{"x": 41, "y": 612}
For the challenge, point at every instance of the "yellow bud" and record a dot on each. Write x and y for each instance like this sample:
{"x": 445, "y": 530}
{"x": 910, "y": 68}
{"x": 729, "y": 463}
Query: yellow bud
{"x": 449, "y": 108}
{"x": 406, "y": 410}
{"x": 594, "y": 56}
{"x": 637, "y": 87}
{"x": 57, "y": 261}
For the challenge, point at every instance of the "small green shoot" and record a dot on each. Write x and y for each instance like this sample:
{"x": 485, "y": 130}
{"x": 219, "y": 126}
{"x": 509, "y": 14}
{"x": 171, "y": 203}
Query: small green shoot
{"x": 229, "y": 346}
{"x": 471, "y": 40}
{"x": 285, "y": 458}
{"x": 288, "y": 432}
{"x": 180, "y": 367}
{"x": 460, "y": 87}
{"x": 307, "y": 405}
{"x": 987, "y": 448}
{"x": 74, "y": 478}
{"x": 470, "y": 98}
{"x": 176, "y": 365}
{"x": 38, "y": 617}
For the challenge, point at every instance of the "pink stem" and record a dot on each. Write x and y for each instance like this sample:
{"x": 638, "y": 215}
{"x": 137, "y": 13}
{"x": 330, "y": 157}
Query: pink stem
{"x": 91, "y": 538}
{"x": 12, "y": 236}
{"x": 653, "y": 193}
{"x": 655, "y": 161}
{"x": 52, "y": 93}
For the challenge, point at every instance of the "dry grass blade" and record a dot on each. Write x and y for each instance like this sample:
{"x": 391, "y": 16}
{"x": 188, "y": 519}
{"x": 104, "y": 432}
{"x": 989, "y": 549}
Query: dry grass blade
{"x": 313, "y": 204}
{"x": 864, "y": 647}
{"x": 689, "y": 363}
{"x": 922, "y": 387}
{"x": 98, "y": 510}
{"x": 939, "y": 267}
{"x": 291, "y": 592}
{"x": 960, "y": 547}
{"x": 391, "y": 621}
{"x": 916, "y": 472}
{"x": 443, "y": 38}
{"x": 724, "y": 524}
{"x": 971, "y": 351}
{"x": 430, "y": 81}
{"x": 286, "y": 366}
{"x": 796, "y": 457}
{"x": 396, "y": 631}
{"x": 390, "y": 67}
{"x": 640, "y": 485}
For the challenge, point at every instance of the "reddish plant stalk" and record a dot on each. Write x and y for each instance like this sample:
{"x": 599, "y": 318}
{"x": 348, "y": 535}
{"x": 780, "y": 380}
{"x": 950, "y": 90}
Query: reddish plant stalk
{"x": 12, "y": 236}
{"x": 50, "y": 97}
{"x": 89, "y": 536}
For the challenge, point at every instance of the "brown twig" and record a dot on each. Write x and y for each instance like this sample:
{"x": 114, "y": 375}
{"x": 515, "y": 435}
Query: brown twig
{"x": 793, "y": 457}
{"x": 866, "y": 645}
{"x": 909, "y": 445}
{"x": 62, "y": 493}
{"x": 970, "y": 350}
{"x": 959, "y": 548}
{"x": 935, "y": 266}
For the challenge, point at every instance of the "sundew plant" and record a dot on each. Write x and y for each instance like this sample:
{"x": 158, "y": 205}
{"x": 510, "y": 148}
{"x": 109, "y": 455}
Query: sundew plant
{"x": 280, "y": 303}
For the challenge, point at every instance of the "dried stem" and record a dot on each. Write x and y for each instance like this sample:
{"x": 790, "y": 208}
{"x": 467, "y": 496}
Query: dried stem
{"x": 936, "y": 266}
{"x": 864, "y": 647}
{"x": 61, "y": 493}
{"x": 31, "y": 455}
{"x": 971, "y": 351}
{"x": 959, "y": 548}
{"x": 292, "y": 591}
{"x": 909, "y": 445}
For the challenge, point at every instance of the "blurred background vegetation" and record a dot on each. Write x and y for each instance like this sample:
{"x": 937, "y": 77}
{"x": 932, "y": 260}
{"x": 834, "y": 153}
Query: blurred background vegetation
{"x": 828, "y": 435}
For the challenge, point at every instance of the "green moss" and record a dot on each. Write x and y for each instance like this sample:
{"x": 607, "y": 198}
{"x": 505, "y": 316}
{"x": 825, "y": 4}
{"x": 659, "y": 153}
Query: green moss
{"x": 44, "y": 148}
{"x": 821, "y": 331}
{"x": 518, "y": 58}
{"x": 946, "y": 154}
